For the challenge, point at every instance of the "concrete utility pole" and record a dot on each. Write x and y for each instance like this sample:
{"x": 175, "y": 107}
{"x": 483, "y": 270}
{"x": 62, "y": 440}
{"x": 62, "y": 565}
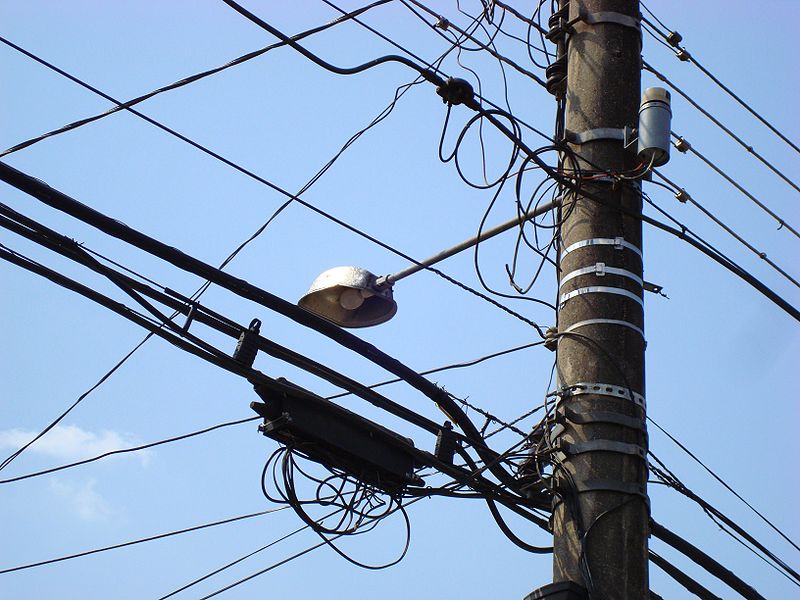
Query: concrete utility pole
{"x": 601, "y": 527}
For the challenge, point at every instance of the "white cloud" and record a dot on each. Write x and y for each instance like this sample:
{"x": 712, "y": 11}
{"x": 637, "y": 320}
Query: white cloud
{"x": 82, "y": 498}
{"x": 70, "y": 443}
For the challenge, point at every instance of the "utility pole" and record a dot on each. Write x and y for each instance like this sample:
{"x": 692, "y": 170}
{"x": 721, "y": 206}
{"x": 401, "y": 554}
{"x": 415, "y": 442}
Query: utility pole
{"x": 601, "y": 512}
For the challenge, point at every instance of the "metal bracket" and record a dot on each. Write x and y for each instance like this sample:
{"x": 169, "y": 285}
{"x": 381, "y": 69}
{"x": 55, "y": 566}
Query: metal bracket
{"x": 579, "y": 324}
{"x": 618, "y": 242}
{"x": 602, "y": 416}
{"x": 654, "y": 288}
{"x": 611, "y": 17}
{"x": 600, "y": 269}
{"x": 572, "y": 448}
{"x": 609, "y": 485}
{"x": 603, "y": 389}
{"x": 275, "y": 424}
{"x": 599, "y": 289}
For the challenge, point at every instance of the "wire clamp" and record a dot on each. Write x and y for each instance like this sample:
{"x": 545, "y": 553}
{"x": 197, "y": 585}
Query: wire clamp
{"x": 573, "y": 448}
{"x": 602, "y": 389}
{"x": 599, "y": 289}
{"x": 682, "y": 195}
{"x": 587, "y": 322}
{"x": 600, "y": 416}
{"x": 611, "y": 17}
{"x": 626, "y": 134}
{"x": 456, "y": 91}
{"x": 601, "y": 270}
{"x": 618, "y": 242}
{"x": 247, "y": 346}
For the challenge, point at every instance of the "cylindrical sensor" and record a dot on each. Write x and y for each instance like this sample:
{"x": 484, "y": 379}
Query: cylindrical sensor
{"x": 655, "y": 119}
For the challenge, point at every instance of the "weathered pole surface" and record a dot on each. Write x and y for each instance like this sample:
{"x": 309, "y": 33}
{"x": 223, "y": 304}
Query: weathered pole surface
{"x": 601, "y": 519}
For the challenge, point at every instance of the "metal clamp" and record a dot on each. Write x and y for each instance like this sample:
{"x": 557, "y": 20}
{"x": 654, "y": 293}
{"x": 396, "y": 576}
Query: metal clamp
{"x": 600, "y": 269}
{"x": 573, "y": 448}
{"x": 618, "y": 242}
{"x": 599, "y": 289}
{"x": 602, "y": 416}
{"x": 625, "y": 134}
{"x": 603, "y": 389}
{"x": 611, "y": 17}
{"x": 579, "y": 324}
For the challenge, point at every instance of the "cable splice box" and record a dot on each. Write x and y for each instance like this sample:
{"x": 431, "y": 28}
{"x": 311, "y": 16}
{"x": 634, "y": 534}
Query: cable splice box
{"x": 336, "y": 437}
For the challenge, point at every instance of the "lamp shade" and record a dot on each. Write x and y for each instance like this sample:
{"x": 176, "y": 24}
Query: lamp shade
{"x": 349, "y": 297}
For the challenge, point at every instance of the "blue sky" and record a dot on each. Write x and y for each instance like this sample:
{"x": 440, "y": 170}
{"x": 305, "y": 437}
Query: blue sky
{"x": 720, "y": 357}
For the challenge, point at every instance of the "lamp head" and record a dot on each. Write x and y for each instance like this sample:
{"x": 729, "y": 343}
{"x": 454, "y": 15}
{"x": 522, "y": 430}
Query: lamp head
{"x": 350, "y": 297}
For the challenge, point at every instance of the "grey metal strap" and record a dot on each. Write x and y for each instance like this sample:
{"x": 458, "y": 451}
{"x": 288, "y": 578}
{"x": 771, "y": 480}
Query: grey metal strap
{"x": 599, "y": 133}
{"x": 611, "y": 17}
{"x": 618, "y": 242}
{"x": 603, "y": 416}
{"x": 609, "y": 485}
{"x": 579, "y": 324}
{"x": 603, "y": 389}
{"x": 572, "y": 448}
{"x": 600, "y": 269}
{"x": 600, "y": 289}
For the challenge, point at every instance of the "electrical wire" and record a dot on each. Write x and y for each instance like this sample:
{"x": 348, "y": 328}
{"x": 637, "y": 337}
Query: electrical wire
{"x": 648, "y": 67}
{"x": 142, "y": 540}
{"x": 666, "y": 476}
{"x": 674, "y": 39}
{"x": 682, "y": 578}
{"x": 781, "y": 222}
{"x": 680, "y": 192}
{"x": 292, "y": 197}
{"x": 181, "y": 82}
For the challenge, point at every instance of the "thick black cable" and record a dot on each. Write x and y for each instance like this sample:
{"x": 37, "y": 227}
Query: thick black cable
{"x": 682, "y": 578}
{"x": 142, "y": 540}
{"x": 704, "y": 560}
{"x": 685, "y": 55}
{"x": 240, "y": 287}
{"x": 182, "y": 82}
{"x": 719, "y": 479}
{"x": 647, "y": 66}
{"x": 716, "y": 515}
{"x": 426, "y": 73}
{"x": 677, "y": 190}
{"x": 65, "y": 246}
{"x": 280, "y": 190}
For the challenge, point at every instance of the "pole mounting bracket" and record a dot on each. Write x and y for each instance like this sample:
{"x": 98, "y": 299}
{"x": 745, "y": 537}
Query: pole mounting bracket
{"x": 626, "y": 134}
{"x": 602, "y": 389}
{"x": 611, "y": 17}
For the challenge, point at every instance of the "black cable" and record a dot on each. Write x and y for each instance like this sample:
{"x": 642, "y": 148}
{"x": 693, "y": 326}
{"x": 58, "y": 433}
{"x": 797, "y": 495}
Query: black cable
{"x": 142, "y": 540}
{"x": 682, "y": 578}
{"x": 292, "y": 197}
{"x": 670, "y": 479}
{"x": 705, "y": 561}
{"x": 647, "y": 66}
{"x": 426, "y": 73}
{"x": 694, "y": 457}
{"x": 182, "y": 82}
{"x": 86, "y": 461}
{"x": 685, "y": 55}
{"x": 677, "y": 190}
{"x": 233, "y": 563}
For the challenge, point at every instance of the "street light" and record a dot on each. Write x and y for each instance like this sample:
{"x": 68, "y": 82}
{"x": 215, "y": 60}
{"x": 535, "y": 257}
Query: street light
{"x": 355, "y": 297}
